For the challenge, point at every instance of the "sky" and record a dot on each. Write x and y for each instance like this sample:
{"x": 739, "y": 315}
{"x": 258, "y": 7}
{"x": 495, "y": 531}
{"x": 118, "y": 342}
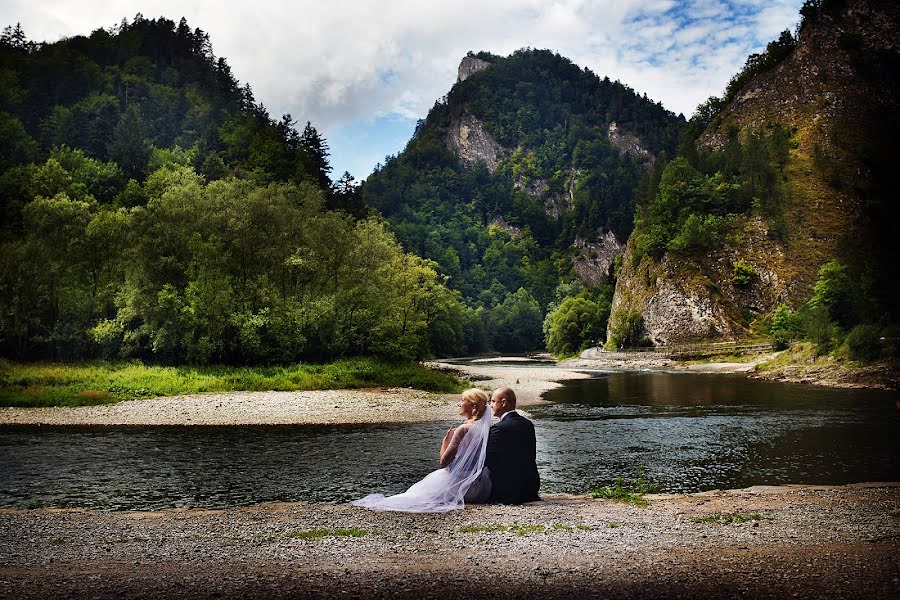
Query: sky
{"x": 364, "y": 71}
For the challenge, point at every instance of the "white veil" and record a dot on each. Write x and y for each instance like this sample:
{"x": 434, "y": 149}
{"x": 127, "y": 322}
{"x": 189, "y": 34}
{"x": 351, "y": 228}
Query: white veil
{"x": 444, "y": 489}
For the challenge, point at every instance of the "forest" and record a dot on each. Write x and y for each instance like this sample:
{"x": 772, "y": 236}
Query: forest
{"x": 153, "y": 209}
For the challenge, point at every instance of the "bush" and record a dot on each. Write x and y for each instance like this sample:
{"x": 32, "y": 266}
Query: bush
{"x": 575, "y": 324}
{"x": 785, "y": 327}
{"x": 743, "y": 273}
{"x": 628, "y": 330}
{"x": 864, "y": 342}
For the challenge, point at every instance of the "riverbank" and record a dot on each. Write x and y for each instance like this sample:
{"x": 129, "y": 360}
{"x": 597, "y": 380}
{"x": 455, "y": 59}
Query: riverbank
{"x": 308, "y": 407}
{"x": 787, "y": 541}
{"x": 97, "y": 383}
{"x": 787, "y": 366}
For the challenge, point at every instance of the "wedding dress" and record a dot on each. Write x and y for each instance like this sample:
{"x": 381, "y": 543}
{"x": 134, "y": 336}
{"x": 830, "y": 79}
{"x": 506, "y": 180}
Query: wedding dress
{"x": 464, "y": 479}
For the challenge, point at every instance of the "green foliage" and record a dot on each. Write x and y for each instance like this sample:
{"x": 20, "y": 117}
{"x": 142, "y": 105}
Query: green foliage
{"x": 633, "y": 493}
{"x": 837, "y": 294}
{"x": 227, "y": 272}
{"x": 490, "y": 232}
{"x": 864, "y": 342}
{"x": 56, "y": 384}
{"x": 518, "y": 321}
{"x": 743, "y": 273}
{"x": 784, "y": 327}
{"x": 578, "y": 322}
{"x": 627, "y": 331}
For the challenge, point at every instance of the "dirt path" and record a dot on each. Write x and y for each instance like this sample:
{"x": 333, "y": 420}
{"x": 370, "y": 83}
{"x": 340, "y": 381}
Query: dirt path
{"x": 796, "y": 542}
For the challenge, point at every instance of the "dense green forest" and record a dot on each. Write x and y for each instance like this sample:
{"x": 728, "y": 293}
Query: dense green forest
{"x": 501, "y": 247}
{"x": 153, "y": 209}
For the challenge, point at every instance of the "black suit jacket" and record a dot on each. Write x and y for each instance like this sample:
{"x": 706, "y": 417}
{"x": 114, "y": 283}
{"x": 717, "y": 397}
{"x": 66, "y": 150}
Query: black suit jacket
{"x": 511, "y": 460}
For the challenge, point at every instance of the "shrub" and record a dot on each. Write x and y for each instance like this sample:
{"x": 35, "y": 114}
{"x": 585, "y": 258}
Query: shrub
{"x": 785, "y": 326}
{"x": 864, "y": 342}
{"x": 628, "y": 330}
{"x": 743, "y": 273}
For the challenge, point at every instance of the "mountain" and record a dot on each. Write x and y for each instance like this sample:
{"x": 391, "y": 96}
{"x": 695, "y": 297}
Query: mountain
{"x": 783, "y": 193}
{"x": 520, "y": 185}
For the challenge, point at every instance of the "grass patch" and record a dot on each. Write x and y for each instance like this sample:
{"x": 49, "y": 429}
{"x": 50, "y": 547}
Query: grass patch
{"x": 629, "y": 493}
{"x": 613, "y": 524}
{"x": 729, "y": 518}
{"x": 317, "y": 534}
{"x": 81, "y": 384}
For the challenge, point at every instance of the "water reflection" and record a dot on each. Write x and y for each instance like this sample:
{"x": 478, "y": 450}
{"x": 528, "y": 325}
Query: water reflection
{"x": 692, "y": 432}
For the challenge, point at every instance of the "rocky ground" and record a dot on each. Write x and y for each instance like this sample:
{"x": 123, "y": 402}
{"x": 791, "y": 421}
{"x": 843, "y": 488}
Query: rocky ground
{"x": 780, "y": 542}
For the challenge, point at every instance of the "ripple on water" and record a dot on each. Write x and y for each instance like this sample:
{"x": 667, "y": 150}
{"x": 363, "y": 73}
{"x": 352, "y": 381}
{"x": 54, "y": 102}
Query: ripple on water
{"x": 691, "y": 432}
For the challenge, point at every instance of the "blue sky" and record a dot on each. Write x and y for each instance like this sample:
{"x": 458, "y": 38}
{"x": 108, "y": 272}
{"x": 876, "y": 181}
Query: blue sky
{"x": 363, "y": 72}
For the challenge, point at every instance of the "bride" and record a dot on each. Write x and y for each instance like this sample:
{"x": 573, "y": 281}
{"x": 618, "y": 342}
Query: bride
{"x": 463, "y": 476}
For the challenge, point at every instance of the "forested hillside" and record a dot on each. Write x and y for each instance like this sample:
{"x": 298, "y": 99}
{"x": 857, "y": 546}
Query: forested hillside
{"x": 152, "y": 208}
{"x": 776, "y": 218}
{"x": 528, "y": 169}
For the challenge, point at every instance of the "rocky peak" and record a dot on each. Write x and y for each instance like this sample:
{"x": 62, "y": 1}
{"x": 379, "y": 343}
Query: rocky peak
{"x": 469, "y": 66}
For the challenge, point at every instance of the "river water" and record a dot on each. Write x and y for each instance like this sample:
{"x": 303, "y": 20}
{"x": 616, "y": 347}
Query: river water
{"x": 691, "y": 432}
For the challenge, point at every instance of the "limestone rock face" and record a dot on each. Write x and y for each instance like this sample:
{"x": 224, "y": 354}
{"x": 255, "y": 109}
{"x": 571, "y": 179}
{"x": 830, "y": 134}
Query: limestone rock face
{"x": 595, "y": 257}
{"x": 470, "y": 140}
{"x": 627, "y": 142}
{"x": 469, "y": 66}
{"x": 688, "y": 301}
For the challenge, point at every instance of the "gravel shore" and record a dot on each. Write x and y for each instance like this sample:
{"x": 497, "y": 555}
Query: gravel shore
{"x": 790, "y": 541}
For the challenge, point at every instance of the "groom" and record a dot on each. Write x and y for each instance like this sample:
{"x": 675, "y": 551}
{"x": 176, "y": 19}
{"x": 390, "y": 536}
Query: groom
{"x": 510, "y": 454}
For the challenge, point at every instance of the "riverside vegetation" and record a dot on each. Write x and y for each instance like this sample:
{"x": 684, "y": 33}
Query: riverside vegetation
{"x": 57, "y": 384}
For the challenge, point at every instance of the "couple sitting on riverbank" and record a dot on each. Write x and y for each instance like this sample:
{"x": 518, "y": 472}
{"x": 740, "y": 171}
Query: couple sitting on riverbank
{"x": 481, "y": 463}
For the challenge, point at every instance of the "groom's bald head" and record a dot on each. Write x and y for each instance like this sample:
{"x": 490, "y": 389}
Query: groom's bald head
{"x": 503, "y": 400}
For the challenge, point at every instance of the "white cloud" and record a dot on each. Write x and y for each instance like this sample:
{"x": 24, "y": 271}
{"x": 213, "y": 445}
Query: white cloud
{"x": 343, "y": 61}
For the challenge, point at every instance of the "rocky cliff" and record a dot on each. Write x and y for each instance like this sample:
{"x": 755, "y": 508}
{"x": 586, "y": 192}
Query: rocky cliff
{"x": 469, "y": 66}
{"x": 830, "y": 92}
{"x": 469, "y": 139}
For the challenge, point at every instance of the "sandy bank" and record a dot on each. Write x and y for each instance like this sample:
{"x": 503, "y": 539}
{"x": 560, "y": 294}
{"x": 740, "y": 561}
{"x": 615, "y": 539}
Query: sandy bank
{"x": 791, "y": 541}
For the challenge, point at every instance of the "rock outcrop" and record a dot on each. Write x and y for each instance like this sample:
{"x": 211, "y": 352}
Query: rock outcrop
{"x": 627, "y": 142}
{"x": 469, "y": 66}
{"x": 470, "y": 140}
{"x": 691, "y": 300}
{"x": 594, "y": 258}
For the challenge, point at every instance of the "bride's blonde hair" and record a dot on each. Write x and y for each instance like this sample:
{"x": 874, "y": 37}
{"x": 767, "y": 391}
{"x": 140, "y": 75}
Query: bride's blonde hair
{"x": 477, "y": 398}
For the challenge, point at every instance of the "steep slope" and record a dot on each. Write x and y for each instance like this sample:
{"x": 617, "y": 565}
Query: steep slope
{"x": 835, "y": 94}
{"x": 523, "y": 177}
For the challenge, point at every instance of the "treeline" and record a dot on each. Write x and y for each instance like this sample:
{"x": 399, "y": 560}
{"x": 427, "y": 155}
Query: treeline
{"x": 505, "y": 238}
{"x": 151, "y": 208}
{"x": 230, "y": 271}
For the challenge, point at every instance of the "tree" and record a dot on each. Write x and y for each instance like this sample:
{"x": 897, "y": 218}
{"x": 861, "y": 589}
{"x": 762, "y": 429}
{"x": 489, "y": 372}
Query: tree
{"x": 315, "y": 156}
{"x": 129, "y": 146}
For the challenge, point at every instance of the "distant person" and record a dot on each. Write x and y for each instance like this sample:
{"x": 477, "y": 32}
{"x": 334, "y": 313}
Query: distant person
{"x": 511, "y": 453}
{"x": 461, "y": 478}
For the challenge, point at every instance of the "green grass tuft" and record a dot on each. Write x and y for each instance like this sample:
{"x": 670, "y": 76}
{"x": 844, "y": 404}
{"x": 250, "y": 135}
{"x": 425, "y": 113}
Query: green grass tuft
{"x": 83, "y": 384}
{"x": 628, "y": 493}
